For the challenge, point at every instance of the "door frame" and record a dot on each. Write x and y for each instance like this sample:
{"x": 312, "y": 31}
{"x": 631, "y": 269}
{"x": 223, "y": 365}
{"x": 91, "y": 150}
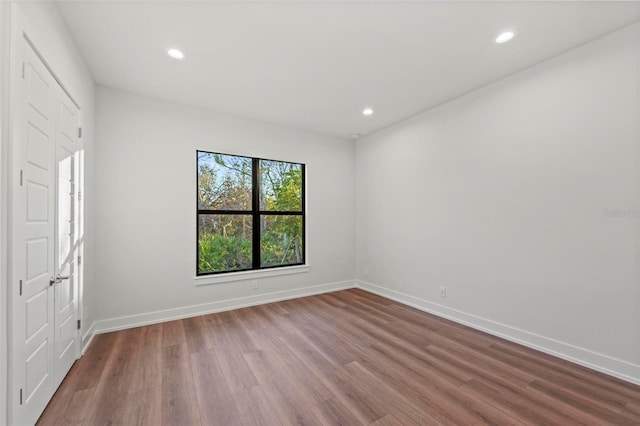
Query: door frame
{"x": 5, "y": 34}
{"x": 13, "y": 55}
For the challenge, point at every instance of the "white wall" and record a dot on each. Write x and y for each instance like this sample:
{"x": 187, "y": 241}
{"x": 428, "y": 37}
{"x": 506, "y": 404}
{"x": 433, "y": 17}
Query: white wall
{"x": 500, "y": 196}
{"x": 146, "y": 205}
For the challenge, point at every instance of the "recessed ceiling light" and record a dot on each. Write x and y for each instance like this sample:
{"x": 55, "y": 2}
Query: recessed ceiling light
{"x": 175, "y": 53}
{"x": 355, "y": 135}
{"x": 505, "y": 37}
{"x": 367, "y": 111}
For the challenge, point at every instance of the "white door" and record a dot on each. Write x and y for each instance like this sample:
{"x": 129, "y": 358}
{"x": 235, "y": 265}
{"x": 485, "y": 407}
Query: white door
{"x": 66, "y": 288}
{"x": 41, "y": 305}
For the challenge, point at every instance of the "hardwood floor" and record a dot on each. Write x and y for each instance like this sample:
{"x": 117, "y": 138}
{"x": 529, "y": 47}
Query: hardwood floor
{"x": 347, "y": 358}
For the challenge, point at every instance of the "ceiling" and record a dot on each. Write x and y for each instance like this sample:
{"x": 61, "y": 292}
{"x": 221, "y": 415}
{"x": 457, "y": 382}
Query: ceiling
{"x": 316, "y": 65}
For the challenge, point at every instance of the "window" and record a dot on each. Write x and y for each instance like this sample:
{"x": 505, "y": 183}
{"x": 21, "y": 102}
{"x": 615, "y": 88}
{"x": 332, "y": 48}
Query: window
{"x": 250, "y": 213}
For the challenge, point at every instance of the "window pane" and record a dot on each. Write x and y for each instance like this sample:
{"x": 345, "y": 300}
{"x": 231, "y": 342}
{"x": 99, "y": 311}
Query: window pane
{"x": 280, "y": 186}
{"x": 224, "y": 242}
{"x": 281, "y": 240}
{"x": 224, "y": 182}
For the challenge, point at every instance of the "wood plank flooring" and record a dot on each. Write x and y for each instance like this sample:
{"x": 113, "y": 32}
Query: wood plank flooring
{"x": 344, "y": 358}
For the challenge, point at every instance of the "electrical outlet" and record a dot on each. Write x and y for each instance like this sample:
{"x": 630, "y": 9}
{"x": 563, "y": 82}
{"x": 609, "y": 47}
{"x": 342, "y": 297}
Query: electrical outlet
{"x": 254, "y": 284}
{"x": 366, "y": 272}
{"x": 443, "y": 292}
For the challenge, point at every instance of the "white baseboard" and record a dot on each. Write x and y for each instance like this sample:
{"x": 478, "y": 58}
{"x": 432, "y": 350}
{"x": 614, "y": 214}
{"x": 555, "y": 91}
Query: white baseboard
{"x": 131, "y": 321}
{"x": 87, "y": 338}
{"x": 605, "y": 364}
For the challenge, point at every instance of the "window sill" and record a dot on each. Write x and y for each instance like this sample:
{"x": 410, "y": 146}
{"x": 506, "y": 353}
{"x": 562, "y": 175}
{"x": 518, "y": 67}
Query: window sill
{"x": 250, "y": 275}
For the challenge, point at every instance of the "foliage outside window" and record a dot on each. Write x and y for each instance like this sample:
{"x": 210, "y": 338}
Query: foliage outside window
{"x": 250, "y": 213}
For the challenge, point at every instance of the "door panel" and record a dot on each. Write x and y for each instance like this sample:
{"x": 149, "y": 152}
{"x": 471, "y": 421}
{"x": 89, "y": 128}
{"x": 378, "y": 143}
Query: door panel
{"x": 37, "y": 314}
{"x": 34, "y": 250}
{"x": 37, "y": 147}
{"x": 66, "y": 300}
{"x": 37, "y": 202}
{"x": 37, "y": 257}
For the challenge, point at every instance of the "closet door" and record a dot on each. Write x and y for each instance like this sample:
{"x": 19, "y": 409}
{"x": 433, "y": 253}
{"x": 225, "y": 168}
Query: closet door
{"x": 44, "y": 305}
{"x": 33, "y": 254}
{"x": 67, "y": 242}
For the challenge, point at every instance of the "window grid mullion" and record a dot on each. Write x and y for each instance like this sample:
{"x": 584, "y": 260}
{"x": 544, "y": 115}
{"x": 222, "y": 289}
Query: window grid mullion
{"x": 255, "y": 205}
